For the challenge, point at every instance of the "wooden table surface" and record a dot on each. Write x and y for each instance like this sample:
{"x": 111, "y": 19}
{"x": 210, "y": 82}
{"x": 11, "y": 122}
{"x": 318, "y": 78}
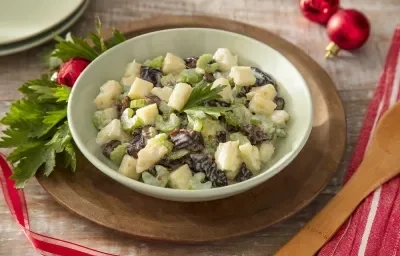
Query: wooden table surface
{"x": 355, "y": 75}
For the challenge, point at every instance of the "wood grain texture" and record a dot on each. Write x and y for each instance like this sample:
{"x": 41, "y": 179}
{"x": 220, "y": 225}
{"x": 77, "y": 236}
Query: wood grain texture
{"x": 93, "y": 195}
{"x": 380, "y": 164}
{"x": 355, "y": 75}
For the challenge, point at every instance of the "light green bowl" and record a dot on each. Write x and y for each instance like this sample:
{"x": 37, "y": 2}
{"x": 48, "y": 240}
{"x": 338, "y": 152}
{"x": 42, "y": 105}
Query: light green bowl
{"x": 187, "y": 42}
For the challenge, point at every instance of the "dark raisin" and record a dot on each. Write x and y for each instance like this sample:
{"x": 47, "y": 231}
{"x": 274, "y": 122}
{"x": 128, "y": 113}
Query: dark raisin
{"x": 204, "y": 163}
{"x": 217, "y": 103}
{"x": 151, "y": 99}
{"x": 221, "y": 136}
{"x": 263, "y": 78}
{"x": 109, "y": 147}
{"x": 243, "y": 91}
{"x": 173, "y": 164}
{"x": 152, "y": 171}
{"x": 191, "y": 62}
{"x": 209, "y": 77}
{"x": 243, "y": 174}
{"x": 255, "y": 134}
{"x": 187, "y": 139}
{"x": 280, "y": 103}
{"x": 135, "y": 145}
{"x": 124, "y": 104}
{"x": 152, "y": 75}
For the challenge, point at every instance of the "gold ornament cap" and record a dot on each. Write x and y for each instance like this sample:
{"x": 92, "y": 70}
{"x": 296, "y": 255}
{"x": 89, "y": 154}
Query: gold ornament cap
{"x": 331, "y": 50}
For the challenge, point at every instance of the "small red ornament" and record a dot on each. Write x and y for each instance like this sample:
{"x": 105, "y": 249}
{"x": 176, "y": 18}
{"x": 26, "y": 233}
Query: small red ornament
{"x": 70, "y": 71}
{"x": 348, "y": 29}
{"x": 319, "y": 10}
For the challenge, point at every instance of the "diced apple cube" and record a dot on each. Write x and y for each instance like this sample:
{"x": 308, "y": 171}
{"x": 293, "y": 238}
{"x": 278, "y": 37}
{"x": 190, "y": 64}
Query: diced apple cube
{"x": 227, "y": 156}
{"x": 267, "y": 91}
{"x": 226, "y": 93}
{"x": 149, "y": 156}
{"x": 225, "y": 59}
{"x": 162, "y": 93}
{"x": 242, "y": 76}
{"x": 109, "y": 92}
{"x": 140, "y": 89}
{"x": 180, "y": 96}
{"x": 266, "y": 151}
{"x": 148, "y": 114}
{"x": 251, "y": 157}
{"x": 180, "y": 178}
{"x": 128, "y": 167}
{"x": 173, "y": 64}
{"x": 261, "y": 105}
{"x": 112, "y": 131}
{"x": 280, "y": 117}
{"x": 132, "y": 71}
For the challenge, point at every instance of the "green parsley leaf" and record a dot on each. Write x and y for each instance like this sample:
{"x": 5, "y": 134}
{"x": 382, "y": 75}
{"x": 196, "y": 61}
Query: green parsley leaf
{"x": 13, "y": 138}
{"x": 29, "y": 163}
{"x": 37, "y": 126}
{"x": 61, "y": 93}
{"x": 70, "y": 156}
{"x": 203, "y": 92}
{"x": 88, "y": 48}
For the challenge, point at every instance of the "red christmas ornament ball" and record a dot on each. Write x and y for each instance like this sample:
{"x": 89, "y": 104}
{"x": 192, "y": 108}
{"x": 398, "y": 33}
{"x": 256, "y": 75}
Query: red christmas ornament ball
{"x": 319, "y": 10}
{"x": 348, "y": 29}
{"x": 70, "y": 71}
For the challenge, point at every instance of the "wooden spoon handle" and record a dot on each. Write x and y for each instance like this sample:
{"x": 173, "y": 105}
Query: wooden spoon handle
{"x": 324, "y": 225}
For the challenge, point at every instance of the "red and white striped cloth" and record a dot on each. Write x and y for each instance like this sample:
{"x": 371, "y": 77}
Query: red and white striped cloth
{"x": 374, "y": 228}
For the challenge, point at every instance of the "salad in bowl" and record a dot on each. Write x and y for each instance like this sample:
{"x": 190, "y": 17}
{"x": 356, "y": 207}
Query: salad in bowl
{"x": 190, "y": 122}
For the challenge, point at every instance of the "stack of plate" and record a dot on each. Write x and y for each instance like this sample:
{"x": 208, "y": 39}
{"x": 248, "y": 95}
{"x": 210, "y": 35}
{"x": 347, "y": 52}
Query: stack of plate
{"x": 26, "y": 23}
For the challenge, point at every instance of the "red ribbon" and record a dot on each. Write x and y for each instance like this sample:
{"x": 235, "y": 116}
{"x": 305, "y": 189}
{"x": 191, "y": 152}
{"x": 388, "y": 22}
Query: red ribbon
{"x": 45, "y": 245}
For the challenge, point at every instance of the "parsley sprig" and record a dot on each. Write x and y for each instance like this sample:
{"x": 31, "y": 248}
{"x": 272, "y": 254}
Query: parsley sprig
{"x": 203, "y": 92}
{"x": 37, "y": 126}
{"x": 88, "y": 48}
{"x": 38, "y": 130}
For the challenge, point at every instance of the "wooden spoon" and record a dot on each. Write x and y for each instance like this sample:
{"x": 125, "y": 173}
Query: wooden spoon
{"x": 381, "y": 163}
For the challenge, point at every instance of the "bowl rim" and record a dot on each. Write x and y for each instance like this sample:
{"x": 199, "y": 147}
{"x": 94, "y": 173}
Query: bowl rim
{"x": 180, "y": 193}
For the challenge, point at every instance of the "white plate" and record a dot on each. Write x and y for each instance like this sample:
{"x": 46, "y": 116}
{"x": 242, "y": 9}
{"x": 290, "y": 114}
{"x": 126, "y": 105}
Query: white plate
{"x": 23, "y": 19}
{"x": 39, "y": 39}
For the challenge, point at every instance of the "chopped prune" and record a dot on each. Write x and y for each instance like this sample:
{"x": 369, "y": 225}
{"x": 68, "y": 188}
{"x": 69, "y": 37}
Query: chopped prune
{"x": 135, "y": 145}
{"x": 243, "y": 91}
{"x": 175, "y": 163}
{"x": 204, "y": 163}
{"x": 152, "y": 75}
{"x": 191, "y": 62}
{"x": 263, "y": 78}
{"x": 109, "y": 147}
{"x": 243, "y": 174}
{"x": 208, "y": 77}
{"x": 151, "y": 99}
{"x": 152, "y": 171}
{"x": 221, "y": 136}
{"x": 124, "y": 104}
{"x": 280, "y": 103}
{"x": 187, "y": 139}
{"x": 255, "y": 134}
{"x": 217, "y": 103}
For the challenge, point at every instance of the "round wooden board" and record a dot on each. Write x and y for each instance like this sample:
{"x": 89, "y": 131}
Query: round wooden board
{"x": 92, "y": 195}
